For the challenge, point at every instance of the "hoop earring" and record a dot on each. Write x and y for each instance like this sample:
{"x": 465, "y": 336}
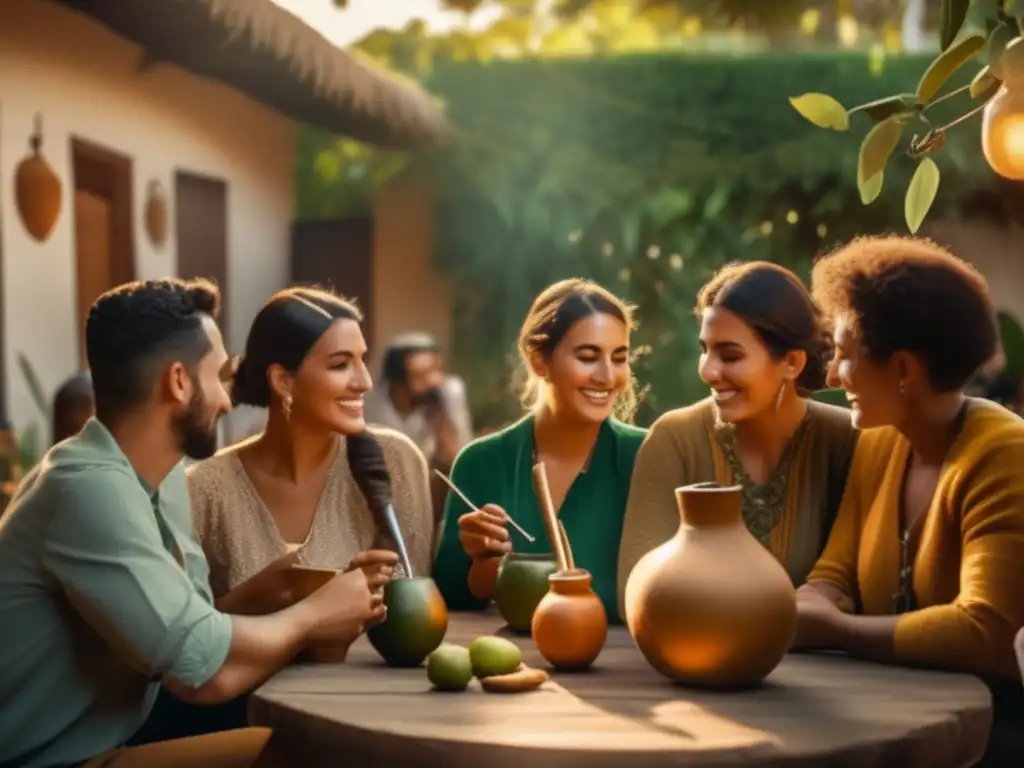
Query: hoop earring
{"x": 286, "y": 406}
{"x": 778, "y": 397}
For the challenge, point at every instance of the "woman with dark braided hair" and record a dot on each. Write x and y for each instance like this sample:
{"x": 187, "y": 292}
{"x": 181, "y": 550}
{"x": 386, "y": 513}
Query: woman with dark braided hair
{"x": 289, "y": 492}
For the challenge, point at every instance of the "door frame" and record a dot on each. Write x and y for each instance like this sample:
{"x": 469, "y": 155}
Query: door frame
{"x": 108, "y": 173}
{"x": 223, "y": 281}
{"x": 317, "y": 274}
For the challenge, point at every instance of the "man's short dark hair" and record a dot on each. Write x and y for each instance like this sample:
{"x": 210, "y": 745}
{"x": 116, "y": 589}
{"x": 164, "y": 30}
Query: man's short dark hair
{"x": 398, "y": 352}
{"x": 136, "y": 329}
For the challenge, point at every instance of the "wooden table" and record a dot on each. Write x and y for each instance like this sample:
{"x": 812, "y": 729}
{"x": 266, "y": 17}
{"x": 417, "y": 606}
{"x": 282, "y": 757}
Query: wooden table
{"x": 813, "y": 711}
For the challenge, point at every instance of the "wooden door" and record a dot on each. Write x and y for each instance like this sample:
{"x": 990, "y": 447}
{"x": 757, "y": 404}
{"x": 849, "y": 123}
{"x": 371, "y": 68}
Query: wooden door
{"x": 201, "y": 226}
{"x": 104, "y": 246}
{"x": 337, "y": 254}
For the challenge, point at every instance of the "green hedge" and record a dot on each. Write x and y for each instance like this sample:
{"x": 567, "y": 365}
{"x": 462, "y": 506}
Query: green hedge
{"x": 646, "y": 173}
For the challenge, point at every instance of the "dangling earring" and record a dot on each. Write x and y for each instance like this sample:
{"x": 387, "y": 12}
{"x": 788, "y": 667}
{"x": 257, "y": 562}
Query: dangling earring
{"x": 903, "y": 387}
{"x": 286, "y": 406}
{"x": 778, "y": 397}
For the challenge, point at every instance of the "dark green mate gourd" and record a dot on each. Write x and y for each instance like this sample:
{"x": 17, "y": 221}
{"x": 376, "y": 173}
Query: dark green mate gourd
{"x": 417, "y": 617}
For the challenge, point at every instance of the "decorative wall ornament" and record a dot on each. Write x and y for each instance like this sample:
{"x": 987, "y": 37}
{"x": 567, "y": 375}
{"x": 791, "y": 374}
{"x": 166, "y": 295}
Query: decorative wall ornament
{"x": 156, "y": 213}
{"x": 37, "y": 189}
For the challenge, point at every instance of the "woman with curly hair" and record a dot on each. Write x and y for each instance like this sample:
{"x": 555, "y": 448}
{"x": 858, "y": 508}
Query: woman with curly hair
{"x": 926, "y": 559}
{"x": 764, "y": 350}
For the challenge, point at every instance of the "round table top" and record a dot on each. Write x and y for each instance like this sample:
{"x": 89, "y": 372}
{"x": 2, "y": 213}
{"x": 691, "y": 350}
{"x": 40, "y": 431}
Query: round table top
{"x": 821, "y": 710}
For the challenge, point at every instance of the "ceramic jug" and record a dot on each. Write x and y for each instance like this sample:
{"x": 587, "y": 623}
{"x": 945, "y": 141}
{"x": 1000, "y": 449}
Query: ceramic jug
{"x": 570, "y": 625}
{"x": 711, "y": 607}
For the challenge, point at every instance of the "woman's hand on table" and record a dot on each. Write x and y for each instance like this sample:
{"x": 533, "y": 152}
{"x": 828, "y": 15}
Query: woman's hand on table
{"x": 818, "y": 620}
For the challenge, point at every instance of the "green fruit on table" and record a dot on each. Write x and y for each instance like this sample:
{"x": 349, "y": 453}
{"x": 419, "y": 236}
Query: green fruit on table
{"x": 449, "y": 668}
{"x": 494, "y": 656}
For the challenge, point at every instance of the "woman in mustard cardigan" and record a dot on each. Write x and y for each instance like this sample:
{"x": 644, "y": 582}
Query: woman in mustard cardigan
{"x": 925, "y": 563}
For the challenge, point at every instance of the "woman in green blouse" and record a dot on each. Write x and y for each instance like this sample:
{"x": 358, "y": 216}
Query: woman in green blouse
{"x": 574, "y": 346}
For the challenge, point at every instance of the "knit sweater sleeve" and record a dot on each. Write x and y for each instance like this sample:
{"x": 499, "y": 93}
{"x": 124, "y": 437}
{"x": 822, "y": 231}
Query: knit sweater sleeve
{"x": 667, "y": 459}
{"x": 472, "y": 472}
{"x": 976, "y": 631}
{"x": 837, "y": 565}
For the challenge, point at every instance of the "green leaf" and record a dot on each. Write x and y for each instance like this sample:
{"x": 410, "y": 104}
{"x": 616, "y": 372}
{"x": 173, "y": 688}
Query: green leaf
{"x": 35, "y": 387}
{"x": 28, "y": 447}
{"x": 1014, "y": 9}
{"x": 983, "y": 15}
{"x": 983, "y": 82}
{"x": 948, "y": 62}
{"x": 875, "y": 151}
{"x": 1001, "y": 36}
{"x": 822, "y": 110}
{"x": 668, "y": 205}
{"x": 716, "y": 201}
{"x": 921, "y": 193}
{"x": 985, "y": 85}
{"x": 953, "y": 14}
{"x": 1012, "y": 336}
{"x": 889, "y": 106}
{"x": 872, "y": 188}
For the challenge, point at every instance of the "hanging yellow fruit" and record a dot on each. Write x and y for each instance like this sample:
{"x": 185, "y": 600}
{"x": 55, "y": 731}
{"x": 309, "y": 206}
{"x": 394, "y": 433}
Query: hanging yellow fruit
{"x": 37, "y": 190}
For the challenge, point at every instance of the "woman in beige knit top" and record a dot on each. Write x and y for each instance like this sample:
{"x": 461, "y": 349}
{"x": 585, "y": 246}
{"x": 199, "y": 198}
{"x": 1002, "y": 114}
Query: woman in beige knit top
{"x": 763, "y": 351}
{"x": 288, "y": 494}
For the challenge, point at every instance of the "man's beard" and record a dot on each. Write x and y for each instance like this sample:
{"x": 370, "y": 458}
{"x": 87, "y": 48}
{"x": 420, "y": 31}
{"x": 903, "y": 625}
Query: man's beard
{"x": 196, "y": 436}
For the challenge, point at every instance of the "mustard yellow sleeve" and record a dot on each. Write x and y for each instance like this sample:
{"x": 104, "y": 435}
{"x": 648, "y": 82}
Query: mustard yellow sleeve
{"x": 838, "y": 563}
{"x": 976, "y": 632}
{"x": 652, "y": 516}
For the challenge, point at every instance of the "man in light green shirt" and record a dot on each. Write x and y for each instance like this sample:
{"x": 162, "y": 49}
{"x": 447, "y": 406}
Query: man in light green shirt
{"x": 104, "y": 592}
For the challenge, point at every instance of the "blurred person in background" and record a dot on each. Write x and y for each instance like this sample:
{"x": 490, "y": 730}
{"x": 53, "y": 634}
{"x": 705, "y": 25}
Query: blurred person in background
{"x": 418, "y": 398}
{"x": 1004, "y": 389}
{"x": 73, "y": 405}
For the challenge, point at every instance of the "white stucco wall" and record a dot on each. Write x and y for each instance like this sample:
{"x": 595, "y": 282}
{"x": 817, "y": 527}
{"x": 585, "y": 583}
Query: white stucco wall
{"x": 995, "y": 252}
{"x": 86, "y": 83}
{"x": 409, "y": 294}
